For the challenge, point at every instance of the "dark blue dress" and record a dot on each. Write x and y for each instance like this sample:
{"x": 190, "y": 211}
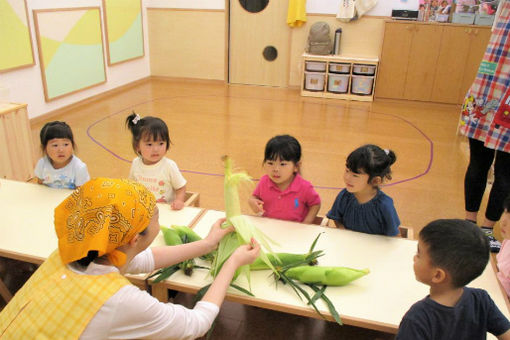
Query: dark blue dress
{"x": 377, "y": 216}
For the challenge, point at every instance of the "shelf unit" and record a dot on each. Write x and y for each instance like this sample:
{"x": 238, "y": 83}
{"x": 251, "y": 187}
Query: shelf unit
{"x": 343, "y": 59}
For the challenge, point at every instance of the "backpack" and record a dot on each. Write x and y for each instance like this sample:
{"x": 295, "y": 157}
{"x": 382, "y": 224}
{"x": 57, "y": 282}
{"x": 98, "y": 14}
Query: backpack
{"x": 319, "y": 41}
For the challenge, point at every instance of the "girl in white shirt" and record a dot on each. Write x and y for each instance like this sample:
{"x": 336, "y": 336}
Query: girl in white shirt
{"x": 159, "y": 174}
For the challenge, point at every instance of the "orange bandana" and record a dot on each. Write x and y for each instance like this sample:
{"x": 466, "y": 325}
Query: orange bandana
{"x": 102, "y": 215}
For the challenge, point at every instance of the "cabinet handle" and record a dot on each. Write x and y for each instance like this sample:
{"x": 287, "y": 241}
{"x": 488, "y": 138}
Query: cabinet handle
{"x": 409, "y": 28}
{"x": 475, "y": 32}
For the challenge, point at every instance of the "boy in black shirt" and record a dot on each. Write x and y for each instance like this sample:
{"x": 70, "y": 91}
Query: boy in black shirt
{"x": 452, "y": 253}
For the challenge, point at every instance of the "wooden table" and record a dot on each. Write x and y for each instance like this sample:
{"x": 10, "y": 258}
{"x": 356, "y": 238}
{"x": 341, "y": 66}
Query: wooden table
{"x": 376, "y": 301}
{"x": 27, "y": 228}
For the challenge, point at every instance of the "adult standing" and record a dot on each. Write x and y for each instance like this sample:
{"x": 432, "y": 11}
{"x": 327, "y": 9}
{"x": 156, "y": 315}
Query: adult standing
{"x": 489, "y": 138}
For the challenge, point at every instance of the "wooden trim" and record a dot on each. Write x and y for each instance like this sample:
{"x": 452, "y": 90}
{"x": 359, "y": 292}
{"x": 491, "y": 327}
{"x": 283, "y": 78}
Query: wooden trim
{"x": 410, "y": 22}
{"x": 50, "y": 114}
{"x": 15, "y": 106}
{"x": 41, "y": 61}
{"x": 227, "y": 42}
{"x": 184, "y": 9}
{"x": 197, "y": 218}
{"x": 31, "y": 45}
{"x": 107, "y": 41}
{"x": 197, "y": 80}
{"x": 334, "y": 15}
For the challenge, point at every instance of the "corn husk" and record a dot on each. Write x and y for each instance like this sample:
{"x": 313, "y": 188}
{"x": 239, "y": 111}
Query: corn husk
{"x": 244, "y": 229}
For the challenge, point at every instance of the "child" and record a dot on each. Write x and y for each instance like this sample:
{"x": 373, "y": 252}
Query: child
{"x": 452, "y": 253}
{"x": 59, "y": 168}
{"x": 151, "y": 168}
{"x": 503, "y": 256}
{"x": 362, "y": 206}
{"x": 282, "y": 193}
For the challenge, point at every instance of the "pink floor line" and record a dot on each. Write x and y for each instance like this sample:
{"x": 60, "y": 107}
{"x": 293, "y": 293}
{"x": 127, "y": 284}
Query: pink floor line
{"x": 431, "y": 143}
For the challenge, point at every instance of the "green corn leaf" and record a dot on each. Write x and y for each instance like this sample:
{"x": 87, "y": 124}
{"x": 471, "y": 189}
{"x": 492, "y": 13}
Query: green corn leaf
{"x": 166, "y": 273}
{"x": 330, "y": 305}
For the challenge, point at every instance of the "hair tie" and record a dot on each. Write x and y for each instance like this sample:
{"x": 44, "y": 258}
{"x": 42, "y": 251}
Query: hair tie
{"x": 386, "y": 151}
{"x": 136, "y": 119}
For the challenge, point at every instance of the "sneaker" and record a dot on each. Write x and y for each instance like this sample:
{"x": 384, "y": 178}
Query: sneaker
{"x": 494, "y": 244}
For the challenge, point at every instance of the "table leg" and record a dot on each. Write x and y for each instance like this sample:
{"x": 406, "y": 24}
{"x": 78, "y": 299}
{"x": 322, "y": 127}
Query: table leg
{"x": 4, "y": 292}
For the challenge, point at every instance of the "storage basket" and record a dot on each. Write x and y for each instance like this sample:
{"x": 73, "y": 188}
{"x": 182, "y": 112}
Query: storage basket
{"x": 362, "y": 85}
{"x": 339, "y": 68}
{"x": 315, "y": 66}
{"x": 314, "y": 81}
{"x": 338, "y": 83}
{"x": 368, "y": 70}
{"x": 463, "y": 18}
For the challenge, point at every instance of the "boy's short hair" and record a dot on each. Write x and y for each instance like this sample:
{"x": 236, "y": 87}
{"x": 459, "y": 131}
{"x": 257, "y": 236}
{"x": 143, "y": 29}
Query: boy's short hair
{"x": 458, "y": 247}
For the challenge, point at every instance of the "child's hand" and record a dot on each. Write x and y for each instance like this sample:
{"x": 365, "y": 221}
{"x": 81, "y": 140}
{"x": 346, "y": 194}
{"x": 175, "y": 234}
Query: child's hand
{"x": 245, "y": 254}
{"x": 256, "y": 205}
{"x": 217, "y": 233}
{"x": 177, "y": 204}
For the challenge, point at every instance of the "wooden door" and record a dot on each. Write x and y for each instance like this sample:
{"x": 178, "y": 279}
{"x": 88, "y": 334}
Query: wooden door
{"x": 250, "y": 34}
{"x": 391, "y": 76}
{"x": 479, "y": 38}
{"x": 422, "y": 62}
{"x": 450, "y": 67}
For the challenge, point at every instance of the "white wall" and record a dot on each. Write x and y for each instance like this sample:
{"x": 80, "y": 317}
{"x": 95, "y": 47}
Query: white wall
{"x": 25, "y": 85}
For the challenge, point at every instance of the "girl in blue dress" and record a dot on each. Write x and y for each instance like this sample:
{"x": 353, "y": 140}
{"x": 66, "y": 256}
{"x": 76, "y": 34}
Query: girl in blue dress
{"x": 362, "y": 206}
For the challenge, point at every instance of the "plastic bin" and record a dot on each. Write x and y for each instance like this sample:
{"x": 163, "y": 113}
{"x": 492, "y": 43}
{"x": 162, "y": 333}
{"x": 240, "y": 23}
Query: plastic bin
{"x": 362, "y": 85}
{"x": 484, "y": 19}
{"x": 339, "y": 68}
{"x": 338, "y": 83}
{"x": 463, "y": 18}
{"x": 368, "y": 70}
{"x": 314, "y": 81}
{"x": 315, "y": 66}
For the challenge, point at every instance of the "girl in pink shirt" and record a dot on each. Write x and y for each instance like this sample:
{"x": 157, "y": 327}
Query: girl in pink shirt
{"x": 503, "y": 256}
{"x": 282, "y": 193}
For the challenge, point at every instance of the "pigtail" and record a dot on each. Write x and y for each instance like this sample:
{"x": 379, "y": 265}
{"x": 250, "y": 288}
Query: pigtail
{"x": 391, "y": 156}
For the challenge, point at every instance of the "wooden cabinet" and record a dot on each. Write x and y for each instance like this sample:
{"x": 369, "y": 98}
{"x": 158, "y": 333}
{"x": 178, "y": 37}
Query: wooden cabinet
{"x": 17, "y": 158}
{"x": 429, "y": 61}
{"x": 339, "y": 76}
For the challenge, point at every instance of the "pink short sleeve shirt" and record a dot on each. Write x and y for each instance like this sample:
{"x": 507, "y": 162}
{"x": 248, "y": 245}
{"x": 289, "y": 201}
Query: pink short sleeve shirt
{"x": 292, "y": 204}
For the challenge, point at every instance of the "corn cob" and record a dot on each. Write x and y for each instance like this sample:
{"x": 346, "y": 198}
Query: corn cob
{"x": 172, "y": 238}
{"x": 330, "y": 276}
{"x": 186, "y": 232}
{"x": 286, "y": 260}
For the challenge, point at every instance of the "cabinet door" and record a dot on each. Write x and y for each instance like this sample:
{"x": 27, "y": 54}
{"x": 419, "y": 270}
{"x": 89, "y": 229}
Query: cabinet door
{"x": 479, "y": 40}
{"x": 394, "y": 58}
{"x": 422, "y": 62}
{"x": 451, "y": 64}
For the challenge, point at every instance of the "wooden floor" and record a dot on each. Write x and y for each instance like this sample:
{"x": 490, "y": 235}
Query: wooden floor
{"x": 209, "y": 119}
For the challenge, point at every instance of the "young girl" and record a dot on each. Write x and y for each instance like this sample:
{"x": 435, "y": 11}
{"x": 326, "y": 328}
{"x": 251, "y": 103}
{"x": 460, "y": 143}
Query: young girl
{"x": 362, "y": 206}
{"x": 151, "y": 168}
{"x": 282, "y": 193}
{"x": 503, "y": 256}
{"x": 59, "y": 168}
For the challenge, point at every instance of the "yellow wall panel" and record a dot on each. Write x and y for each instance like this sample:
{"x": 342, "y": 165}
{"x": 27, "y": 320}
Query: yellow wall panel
{"x": 187, "y": 43}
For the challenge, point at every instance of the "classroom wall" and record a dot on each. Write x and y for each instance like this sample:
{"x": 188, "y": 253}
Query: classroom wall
{"x": 25, "y": 85}
{"x": 203, "y": 49}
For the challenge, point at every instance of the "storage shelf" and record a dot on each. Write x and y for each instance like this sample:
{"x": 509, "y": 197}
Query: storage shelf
{"x": 345, "y": 59}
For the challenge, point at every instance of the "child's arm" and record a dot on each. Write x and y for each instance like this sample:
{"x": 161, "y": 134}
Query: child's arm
{"x": 312, "y": 213}
{"x": 504, "y": 336}
{"x": 256, "y": 204}
{"x": 180, "y": 197}
{"x": 339, "y": 225}
{"x": 166, "y": 256}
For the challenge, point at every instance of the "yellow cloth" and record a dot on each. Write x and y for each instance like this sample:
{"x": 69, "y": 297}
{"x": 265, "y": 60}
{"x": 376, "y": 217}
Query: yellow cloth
{"x": 102, "y": 215}
{"x": 296, "y": 14}
{"x": 56, "y": 303}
